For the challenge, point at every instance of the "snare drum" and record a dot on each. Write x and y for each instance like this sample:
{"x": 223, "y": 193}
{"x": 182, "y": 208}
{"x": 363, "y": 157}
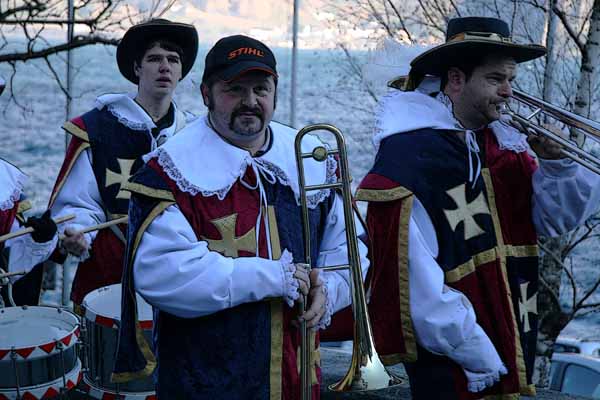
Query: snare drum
{"x": 102, "y": 310}
{"x": 37, "y": 352}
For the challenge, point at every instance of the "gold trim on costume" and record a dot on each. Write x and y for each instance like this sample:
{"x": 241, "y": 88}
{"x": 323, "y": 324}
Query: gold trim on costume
{"x": 141, "y": 340}
{"x": 159, "y": 194}
{"x": 23, "y": 206}
{"x": 382, "y": 195}
{"x": 407, "y": 327}
{"x": 276, "y": 349}
{"x": 456, "y": 274}
{"x": 488, "y": 256}
{"x": 276, "y": 316}
{"x": 531, "y": 250}
{"x": 520, "y": 361}
{"x": 59, "y": 186}
{"x": 76, "y": 131}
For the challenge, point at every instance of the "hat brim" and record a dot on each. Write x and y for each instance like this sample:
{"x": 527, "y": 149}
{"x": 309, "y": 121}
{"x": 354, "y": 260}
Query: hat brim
{"x": 233, "y": 71}
{"x": 437, "y": 60}
{"x": 183, "y": 35}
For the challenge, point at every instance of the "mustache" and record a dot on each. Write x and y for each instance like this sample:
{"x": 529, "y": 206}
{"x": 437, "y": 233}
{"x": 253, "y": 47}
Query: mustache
{"x": 250, "y": 110}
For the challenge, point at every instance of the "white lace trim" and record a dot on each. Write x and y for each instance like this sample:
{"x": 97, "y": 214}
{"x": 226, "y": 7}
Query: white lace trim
{"x": 43, "y": 248}
{"x": 478, "y": 381}
{"x": 445, "y": 100}
{"x": 123, "y": 120}
{"x": 14, "y": 195}
{"x": 166, "y": 162}
{"x": 290, "y": 284}
{"x": 326, "y": 318}
{"x": 12, "y": 199}
{"x": 314, "y": 199}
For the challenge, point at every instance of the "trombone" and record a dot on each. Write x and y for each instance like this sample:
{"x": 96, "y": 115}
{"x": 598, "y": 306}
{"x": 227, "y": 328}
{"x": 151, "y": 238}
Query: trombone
{"x": 366, "y": 370}
{"x": 589, "y": 128}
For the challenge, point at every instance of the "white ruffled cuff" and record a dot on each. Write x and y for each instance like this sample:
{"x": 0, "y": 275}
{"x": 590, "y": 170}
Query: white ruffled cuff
{"x": 326, "y": 318}
{"x": 44, "y": 249}
{"x": 290, "y": 284}
{"x": 478, "y": 381}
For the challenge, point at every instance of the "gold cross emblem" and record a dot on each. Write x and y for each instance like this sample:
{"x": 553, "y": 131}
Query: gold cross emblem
{"x": 112, "y": 178}
{"x": 526, "y": 306}
{"x": 466, "y": 211}
{"x": 315, "y": 358}
{"x": 229, "y": 245}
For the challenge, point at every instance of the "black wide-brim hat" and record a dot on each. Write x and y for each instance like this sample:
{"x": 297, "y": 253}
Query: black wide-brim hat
{"x": 472, "y": 35}
{"x": 136, "y": 38}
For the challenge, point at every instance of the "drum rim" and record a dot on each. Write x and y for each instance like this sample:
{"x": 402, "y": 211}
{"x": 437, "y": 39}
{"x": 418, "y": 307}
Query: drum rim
{"x": 72, "y": 378}
{"x": 110, "y": 321}
{"x": 45, "y": 349}
{"x": 94, "y": 390}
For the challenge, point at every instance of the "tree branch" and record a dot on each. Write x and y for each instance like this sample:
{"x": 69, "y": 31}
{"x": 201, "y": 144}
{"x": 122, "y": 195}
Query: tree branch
{"x": 78, "y": 41}
{"x": 563, "y": 18}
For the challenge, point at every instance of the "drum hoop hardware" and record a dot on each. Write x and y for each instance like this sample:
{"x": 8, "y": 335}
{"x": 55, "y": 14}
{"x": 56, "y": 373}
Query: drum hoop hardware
{"x": 13, "y": 357}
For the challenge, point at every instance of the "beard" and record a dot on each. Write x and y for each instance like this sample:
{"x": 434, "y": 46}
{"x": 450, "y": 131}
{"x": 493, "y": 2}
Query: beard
{"x": 247, "y": 125}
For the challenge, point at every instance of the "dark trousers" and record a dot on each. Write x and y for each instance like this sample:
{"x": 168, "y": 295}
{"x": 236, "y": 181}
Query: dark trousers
{"x": 431, "y": 377}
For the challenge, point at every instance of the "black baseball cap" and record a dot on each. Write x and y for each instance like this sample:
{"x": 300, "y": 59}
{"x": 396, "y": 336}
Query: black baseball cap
{"x": 231, "y": 56}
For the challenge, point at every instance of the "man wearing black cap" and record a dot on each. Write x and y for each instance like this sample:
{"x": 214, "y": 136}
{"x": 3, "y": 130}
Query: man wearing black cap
{"x": 108, "y": 142}
{"x": 216, "y": 240}
{"x": 455, "y": 207}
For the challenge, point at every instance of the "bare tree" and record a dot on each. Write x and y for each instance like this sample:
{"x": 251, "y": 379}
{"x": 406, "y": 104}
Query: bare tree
{"x": 26, "y": 28}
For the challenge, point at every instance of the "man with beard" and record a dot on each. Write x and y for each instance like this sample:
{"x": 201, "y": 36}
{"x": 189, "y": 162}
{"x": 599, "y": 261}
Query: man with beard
{"x": 108, "y": 142}
{"x": 216, "y": 244}
{"x": 455, "y": 207}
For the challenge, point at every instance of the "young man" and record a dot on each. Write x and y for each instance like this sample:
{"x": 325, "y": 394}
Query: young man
{"x": 216, "y": 243}
{"x": 455, "y": 207}
{"x": 108, "y": 143}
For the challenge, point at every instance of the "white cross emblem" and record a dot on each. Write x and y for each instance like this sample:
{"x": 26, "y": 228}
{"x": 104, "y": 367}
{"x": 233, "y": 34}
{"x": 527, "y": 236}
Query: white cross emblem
{"x": 526, "y": 306}
{"x": 466, "y": 211}
{"x": 113, "y": 178}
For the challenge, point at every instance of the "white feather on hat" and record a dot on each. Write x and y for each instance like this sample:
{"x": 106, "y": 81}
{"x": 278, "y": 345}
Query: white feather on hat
{"x": 388, "y": 61}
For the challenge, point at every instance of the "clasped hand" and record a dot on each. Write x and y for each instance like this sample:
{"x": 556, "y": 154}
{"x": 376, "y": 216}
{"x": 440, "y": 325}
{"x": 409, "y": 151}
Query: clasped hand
{"x": 309, "y": 284}
{"x": 74, "y": 242}
{"x": 543, "y": 146}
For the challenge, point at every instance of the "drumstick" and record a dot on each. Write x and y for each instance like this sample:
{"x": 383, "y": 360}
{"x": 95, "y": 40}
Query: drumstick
{"x": 9, "y": 274}
{"x": 122, "y": 220}
{"x": 25, "y": 231}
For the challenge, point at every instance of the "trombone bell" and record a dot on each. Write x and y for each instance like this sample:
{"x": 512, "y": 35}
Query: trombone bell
{"x": 366, "y": 371}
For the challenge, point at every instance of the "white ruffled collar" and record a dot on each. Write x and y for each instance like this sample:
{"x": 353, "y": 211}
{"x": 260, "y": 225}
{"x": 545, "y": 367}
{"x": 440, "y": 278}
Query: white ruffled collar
{"x": 126, "y": 110}
{"x": 12, "y": 181}
{"x": 132, "y": 115}
{"x": 201, "y": 162}
{"x": 401, "y": 112}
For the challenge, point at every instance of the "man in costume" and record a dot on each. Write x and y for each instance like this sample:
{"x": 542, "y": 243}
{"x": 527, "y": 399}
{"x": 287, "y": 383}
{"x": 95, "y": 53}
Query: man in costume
{"x": 455, "y": 207}
{"x": 215, "y": 244}
{"x": 24, "y": 252}
{"x": 108, "y": 142}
